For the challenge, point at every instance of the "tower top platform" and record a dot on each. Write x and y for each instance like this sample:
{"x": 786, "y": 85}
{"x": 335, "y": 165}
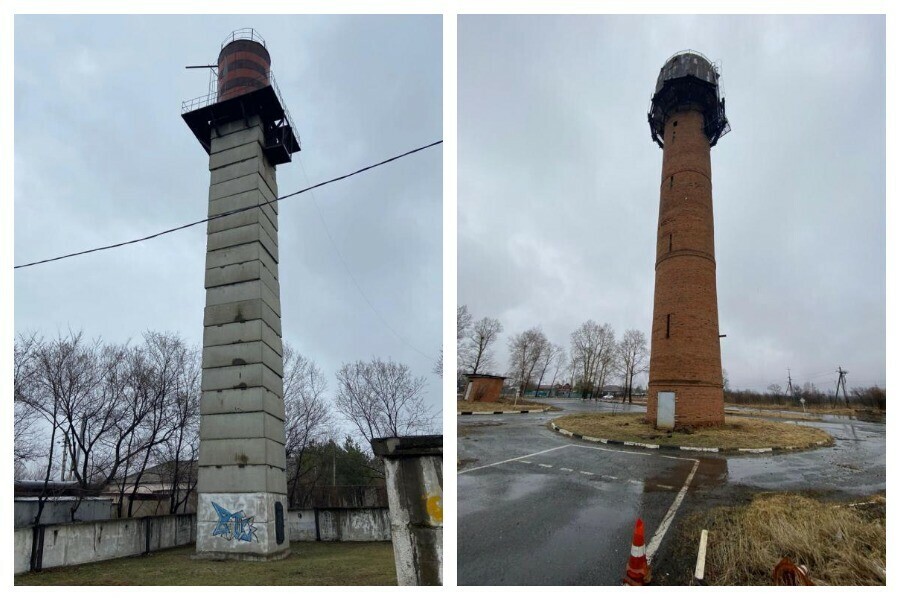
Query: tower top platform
{"x": 688, "y": 81}
{"x": 243, "y": 86}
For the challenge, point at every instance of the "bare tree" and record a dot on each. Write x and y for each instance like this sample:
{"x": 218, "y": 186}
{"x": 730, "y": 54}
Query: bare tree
{"x": 633, "y": 357}
{"x": 179, "y": 451}
{"x": 463, "y": 321}
{"x": 592, "y": 351}
{"x": 438, "y": 368}
{"x": 26, "y": 438}
{"x": 477, "y": 352}
{"x": 381, "y": 398}
{"x": 160, "y": 370}
{"x": 307, "y": 415}
{"x": 463, "y": 324}
{"x": 525, "y": 350}
{"x": 111, "y": 403}
{"x": 562, "y": 359}
{"x": 549, "y": 354}
{"x": 61, "y": 372}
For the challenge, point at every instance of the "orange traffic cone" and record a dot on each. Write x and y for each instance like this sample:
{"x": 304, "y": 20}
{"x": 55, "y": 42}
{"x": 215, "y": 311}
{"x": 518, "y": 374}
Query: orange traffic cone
{"x": 638, "y": 571}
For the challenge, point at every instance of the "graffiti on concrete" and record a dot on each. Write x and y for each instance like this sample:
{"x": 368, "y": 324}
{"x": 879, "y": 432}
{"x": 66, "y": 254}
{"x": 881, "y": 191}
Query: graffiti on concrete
{"x": 234, "y": 526}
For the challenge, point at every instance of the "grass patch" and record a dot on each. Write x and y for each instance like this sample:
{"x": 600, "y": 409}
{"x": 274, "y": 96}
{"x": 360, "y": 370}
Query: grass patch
{"x": 737, "y": 432}
{"x": 310, "y": 563}
{"x": 773, "y": 413}
{"x": 815, "y": 409}
{"x": 839, "y": 543}
{"x": 503, "y": 404}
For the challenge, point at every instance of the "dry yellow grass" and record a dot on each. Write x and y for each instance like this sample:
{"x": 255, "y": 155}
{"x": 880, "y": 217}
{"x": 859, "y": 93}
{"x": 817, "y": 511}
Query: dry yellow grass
{"x": 462, "y": 405}
{"x": 838, "y": 543}
{"x": 738, "y": 432}
{"x": 773, "y": 413}
{"x": 814, "y": 409}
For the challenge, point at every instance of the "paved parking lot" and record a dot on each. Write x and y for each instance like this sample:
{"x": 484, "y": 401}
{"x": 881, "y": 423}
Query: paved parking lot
{"x": 538, "y": 508}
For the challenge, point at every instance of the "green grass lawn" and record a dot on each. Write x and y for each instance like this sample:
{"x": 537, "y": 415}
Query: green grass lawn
{"x": 310, "y": 563}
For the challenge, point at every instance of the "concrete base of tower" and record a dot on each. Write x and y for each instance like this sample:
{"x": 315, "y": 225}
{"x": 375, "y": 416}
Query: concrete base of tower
{"x": 694, "y": 405}
{"x": 241, "y": 556}
{"x": 242, "y": 526}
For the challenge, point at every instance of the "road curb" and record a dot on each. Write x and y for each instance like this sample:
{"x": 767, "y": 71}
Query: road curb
{"x": 500, "y": 412}
{"x": 672, "y": 448}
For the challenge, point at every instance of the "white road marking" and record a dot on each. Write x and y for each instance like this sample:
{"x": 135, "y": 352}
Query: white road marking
{"x": 565, "y": 469}
{"x": 545, "y": 466}
{"x": 635, "y": 481}
{"x": 653, "y": 546}
{"x": 585, "y": 472}
{"x": 511, "y": 459}
{"x": 665, "y": 487}
{"x": 527, "y": 462}
{"x": 609, "y": 477}
{"x": 660, "y": 533}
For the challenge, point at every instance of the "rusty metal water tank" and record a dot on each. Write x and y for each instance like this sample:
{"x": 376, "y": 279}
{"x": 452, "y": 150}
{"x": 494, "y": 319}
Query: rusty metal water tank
{"x": 244, "y": 64}
{"x": 688, "y": 80}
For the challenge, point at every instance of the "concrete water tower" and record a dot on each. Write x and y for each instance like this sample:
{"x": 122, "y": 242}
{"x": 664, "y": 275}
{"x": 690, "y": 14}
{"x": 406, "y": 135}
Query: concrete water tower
{"x": 243, "y": 125}
{"x": 687, "y": 118}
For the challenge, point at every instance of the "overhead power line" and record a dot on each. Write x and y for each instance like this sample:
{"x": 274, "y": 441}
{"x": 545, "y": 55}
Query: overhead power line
{"x": 232, "y": 212}
{"x": 359, "y": 289}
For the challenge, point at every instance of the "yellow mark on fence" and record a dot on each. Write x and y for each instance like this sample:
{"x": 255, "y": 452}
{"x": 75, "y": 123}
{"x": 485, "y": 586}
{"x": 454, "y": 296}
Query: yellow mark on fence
{"x": 435, "y": 506}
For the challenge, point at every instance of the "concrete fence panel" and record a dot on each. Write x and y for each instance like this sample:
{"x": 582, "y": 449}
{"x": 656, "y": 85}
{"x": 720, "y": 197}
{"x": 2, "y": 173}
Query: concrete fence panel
{"x": 67, "y": 544}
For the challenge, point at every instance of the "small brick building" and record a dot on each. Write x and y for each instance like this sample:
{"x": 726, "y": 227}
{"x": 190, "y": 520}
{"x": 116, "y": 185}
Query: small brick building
{"x": 483, "y": 388}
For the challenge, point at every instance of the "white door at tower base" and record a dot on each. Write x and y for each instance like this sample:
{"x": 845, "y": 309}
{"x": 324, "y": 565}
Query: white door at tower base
{"x": 665, "y": 410}
{"x": 468, "y": 391}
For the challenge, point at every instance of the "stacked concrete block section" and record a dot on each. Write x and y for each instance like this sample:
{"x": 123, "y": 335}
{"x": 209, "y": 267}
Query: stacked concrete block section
{"x": 242, "y": 491}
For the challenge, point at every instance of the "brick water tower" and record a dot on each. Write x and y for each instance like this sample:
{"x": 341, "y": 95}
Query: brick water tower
{"x": 243, "y": 125}
{"x": 687, "y": 118}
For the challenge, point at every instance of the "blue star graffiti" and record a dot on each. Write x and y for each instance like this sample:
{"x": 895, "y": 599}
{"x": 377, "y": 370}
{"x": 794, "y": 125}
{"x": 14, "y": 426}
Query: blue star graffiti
{"x": 234, "y": 525}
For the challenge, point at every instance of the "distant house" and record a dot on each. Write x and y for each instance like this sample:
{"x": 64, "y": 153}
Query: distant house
{"x": 152, "y": 495}
{"x": 483, "y": 388}
{"x": 616, "y": 391}
{"x": 61, "y": 498}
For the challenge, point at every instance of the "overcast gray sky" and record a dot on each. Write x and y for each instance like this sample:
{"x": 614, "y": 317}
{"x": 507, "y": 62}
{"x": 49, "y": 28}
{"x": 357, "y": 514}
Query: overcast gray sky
{"x": 558, "y": 182}
{"x": 102, "y": 155}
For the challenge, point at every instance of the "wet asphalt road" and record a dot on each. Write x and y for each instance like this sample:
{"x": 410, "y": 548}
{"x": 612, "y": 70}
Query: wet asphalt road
{"x": 565, "y": 516}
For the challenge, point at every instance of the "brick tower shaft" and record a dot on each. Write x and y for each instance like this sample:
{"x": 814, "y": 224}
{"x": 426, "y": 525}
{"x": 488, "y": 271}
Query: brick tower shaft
{"x": 685, "y": 357}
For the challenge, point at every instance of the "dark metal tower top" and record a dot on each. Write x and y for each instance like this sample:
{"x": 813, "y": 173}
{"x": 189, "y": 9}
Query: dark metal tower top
{"x": 244, "y": 86}
{"x": 688, "y": 80}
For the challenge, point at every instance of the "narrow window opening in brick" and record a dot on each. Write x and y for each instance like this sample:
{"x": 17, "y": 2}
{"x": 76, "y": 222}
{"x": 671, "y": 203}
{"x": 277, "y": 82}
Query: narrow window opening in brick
{"x": 671, "y": 181}
{"x": 670, "y": 242}
{"x": 668, "y": 323}
{"x": 674, "y": 123}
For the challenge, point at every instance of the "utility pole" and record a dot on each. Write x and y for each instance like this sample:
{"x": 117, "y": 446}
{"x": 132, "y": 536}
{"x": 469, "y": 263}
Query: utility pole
{"x": 841, "y": 384}
{"x": 790, "y": 385}
{"x": 65, "y": 445}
